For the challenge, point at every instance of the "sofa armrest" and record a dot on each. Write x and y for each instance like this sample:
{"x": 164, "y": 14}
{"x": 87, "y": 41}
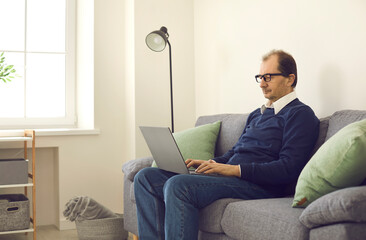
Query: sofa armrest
{"x": 345, "y": 205}
{"x": 132, "y": 167}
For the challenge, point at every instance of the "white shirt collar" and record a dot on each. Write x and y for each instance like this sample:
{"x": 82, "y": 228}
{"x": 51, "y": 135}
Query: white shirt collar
{"x": 280, "y": 103}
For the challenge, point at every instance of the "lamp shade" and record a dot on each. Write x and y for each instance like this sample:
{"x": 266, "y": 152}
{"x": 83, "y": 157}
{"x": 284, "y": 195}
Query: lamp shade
{"x": 157, "y": 40}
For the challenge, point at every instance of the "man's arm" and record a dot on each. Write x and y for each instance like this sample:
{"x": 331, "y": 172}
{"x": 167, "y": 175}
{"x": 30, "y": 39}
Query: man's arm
{"x": 224, "y": 158}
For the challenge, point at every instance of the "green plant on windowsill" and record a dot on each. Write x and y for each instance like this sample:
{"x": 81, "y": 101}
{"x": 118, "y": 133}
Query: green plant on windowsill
{"x": 7, "y": 72}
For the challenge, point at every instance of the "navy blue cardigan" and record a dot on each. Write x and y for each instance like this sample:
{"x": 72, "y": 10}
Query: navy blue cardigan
{"x": 273, "y": 149}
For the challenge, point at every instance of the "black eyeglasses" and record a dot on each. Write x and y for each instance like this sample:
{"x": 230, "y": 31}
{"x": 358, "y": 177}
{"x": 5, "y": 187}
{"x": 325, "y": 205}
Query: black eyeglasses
{"x": 267, "y": 77}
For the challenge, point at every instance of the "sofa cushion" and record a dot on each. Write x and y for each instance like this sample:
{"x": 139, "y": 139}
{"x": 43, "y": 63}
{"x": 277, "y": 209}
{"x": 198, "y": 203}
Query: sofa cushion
{"x": 323, "y": 129}
{"x": 210, "y": 217}
{"x": 344, "y": 231}
{"x": 339, "y": 163}
{"x": 345, "y": 205}
{"x": 232, "y": 127}
{"x": 198, "y": 142}
{"x": 264, "y": 219}
{"x": 341, "y": 119}
{"x": 212, "y": 236}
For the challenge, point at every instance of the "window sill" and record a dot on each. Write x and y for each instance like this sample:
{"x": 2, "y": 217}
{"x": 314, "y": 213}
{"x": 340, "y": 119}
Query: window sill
{"x": 55, "y": 132}
{"x": 66, "y": 132}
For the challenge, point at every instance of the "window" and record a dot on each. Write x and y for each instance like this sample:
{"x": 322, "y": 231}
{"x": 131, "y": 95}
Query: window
{"x": 38, "y": 38}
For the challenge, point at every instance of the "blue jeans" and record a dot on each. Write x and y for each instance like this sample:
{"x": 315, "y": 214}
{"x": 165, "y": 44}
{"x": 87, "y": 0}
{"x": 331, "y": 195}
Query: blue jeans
{"x": 168, "y": 204}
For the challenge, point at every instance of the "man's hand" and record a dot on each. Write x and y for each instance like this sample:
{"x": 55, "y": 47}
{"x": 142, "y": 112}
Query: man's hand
{"x": 211, "y": 166}
{"x": 194, "y": 163}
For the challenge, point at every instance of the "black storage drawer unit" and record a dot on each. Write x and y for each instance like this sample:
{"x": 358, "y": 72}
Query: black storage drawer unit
{"x": 13, "y": 171}
{"x": 14, "y": 212}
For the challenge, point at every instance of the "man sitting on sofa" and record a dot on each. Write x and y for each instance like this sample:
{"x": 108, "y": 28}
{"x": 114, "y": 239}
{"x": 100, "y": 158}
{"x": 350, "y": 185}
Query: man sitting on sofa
{"x": 270, "y": 154}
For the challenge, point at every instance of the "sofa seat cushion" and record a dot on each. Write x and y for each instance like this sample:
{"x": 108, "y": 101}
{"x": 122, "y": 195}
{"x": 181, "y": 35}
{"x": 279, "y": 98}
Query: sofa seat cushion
{"x": 210, "y": 217}
{"x": 343, "y": 231}
{"x": 213, "y": 236}
{"x": 264, "y": 219}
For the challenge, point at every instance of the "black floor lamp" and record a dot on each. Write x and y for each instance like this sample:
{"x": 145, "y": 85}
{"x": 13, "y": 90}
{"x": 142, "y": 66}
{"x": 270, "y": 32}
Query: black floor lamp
{"x": 157, "y": 41}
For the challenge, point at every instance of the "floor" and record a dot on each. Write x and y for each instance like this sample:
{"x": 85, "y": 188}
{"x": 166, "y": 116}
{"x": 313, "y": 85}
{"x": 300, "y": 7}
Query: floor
{"x": 45, "y": 233}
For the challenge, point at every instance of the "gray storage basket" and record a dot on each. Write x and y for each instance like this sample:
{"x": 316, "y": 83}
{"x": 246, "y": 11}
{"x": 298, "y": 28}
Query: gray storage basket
{"x": 14, "y": 212}
{"x": 102, "y": 229}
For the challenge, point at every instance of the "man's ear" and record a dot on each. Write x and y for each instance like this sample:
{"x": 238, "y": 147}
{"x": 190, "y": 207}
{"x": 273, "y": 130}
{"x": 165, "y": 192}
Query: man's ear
{"x": 291, "y": 78}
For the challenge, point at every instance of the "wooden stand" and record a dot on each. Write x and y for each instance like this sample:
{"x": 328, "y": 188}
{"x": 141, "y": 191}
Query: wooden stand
{"x": 26, "y": 136}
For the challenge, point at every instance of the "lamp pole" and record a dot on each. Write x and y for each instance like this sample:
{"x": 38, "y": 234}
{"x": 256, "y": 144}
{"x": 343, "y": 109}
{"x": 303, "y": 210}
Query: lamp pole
{"x": 157, "y": 41}
{"x": 171, "y": 86}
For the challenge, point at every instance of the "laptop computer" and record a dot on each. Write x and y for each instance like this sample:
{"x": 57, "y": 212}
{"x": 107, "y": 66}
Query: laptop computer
{"x": 165, "y": 150}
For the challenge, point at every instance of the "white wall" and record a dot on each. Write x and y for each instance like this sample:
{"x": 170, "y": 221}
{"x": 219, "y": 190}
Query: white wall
{"x": 217, "y": 48}
{"x": 327, "y": 39}
{"x": 152, "y": 68}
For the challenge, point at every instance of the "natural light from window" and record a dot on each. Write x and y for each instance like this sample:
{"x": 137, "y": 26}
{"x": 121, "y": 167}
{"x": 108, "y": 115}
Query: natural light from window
{"x": 34, "y": 38}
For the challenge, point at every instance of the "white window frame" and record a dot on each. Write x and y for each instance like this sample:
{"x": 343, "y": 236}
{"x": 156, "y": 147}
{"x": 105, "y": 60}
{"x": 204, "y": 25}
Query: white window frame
{"x": 70, "y": 119}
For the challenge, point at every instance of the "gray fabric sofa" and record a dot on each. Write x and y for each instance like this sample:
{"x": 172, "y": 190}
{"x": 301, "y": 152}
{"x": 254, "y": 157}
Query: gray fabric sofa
{"x": 333, "y": 216}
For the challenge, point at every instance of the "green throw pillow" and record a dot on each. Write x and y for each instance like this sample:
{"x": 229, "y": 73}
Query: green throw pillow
{"x": 339, "y": 163}
{"x": 198, "y": 142}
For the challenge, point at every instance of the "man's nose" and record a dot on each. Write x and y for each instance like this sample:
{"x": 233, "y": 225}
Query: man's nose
{"x": 263, "y": 83}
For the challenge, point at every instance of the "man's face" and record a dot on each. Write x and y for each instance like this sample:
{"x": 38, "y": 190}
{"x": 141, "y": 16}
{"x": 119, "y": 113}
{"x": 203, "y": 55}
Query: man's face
{"x": 279, "y": 86}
